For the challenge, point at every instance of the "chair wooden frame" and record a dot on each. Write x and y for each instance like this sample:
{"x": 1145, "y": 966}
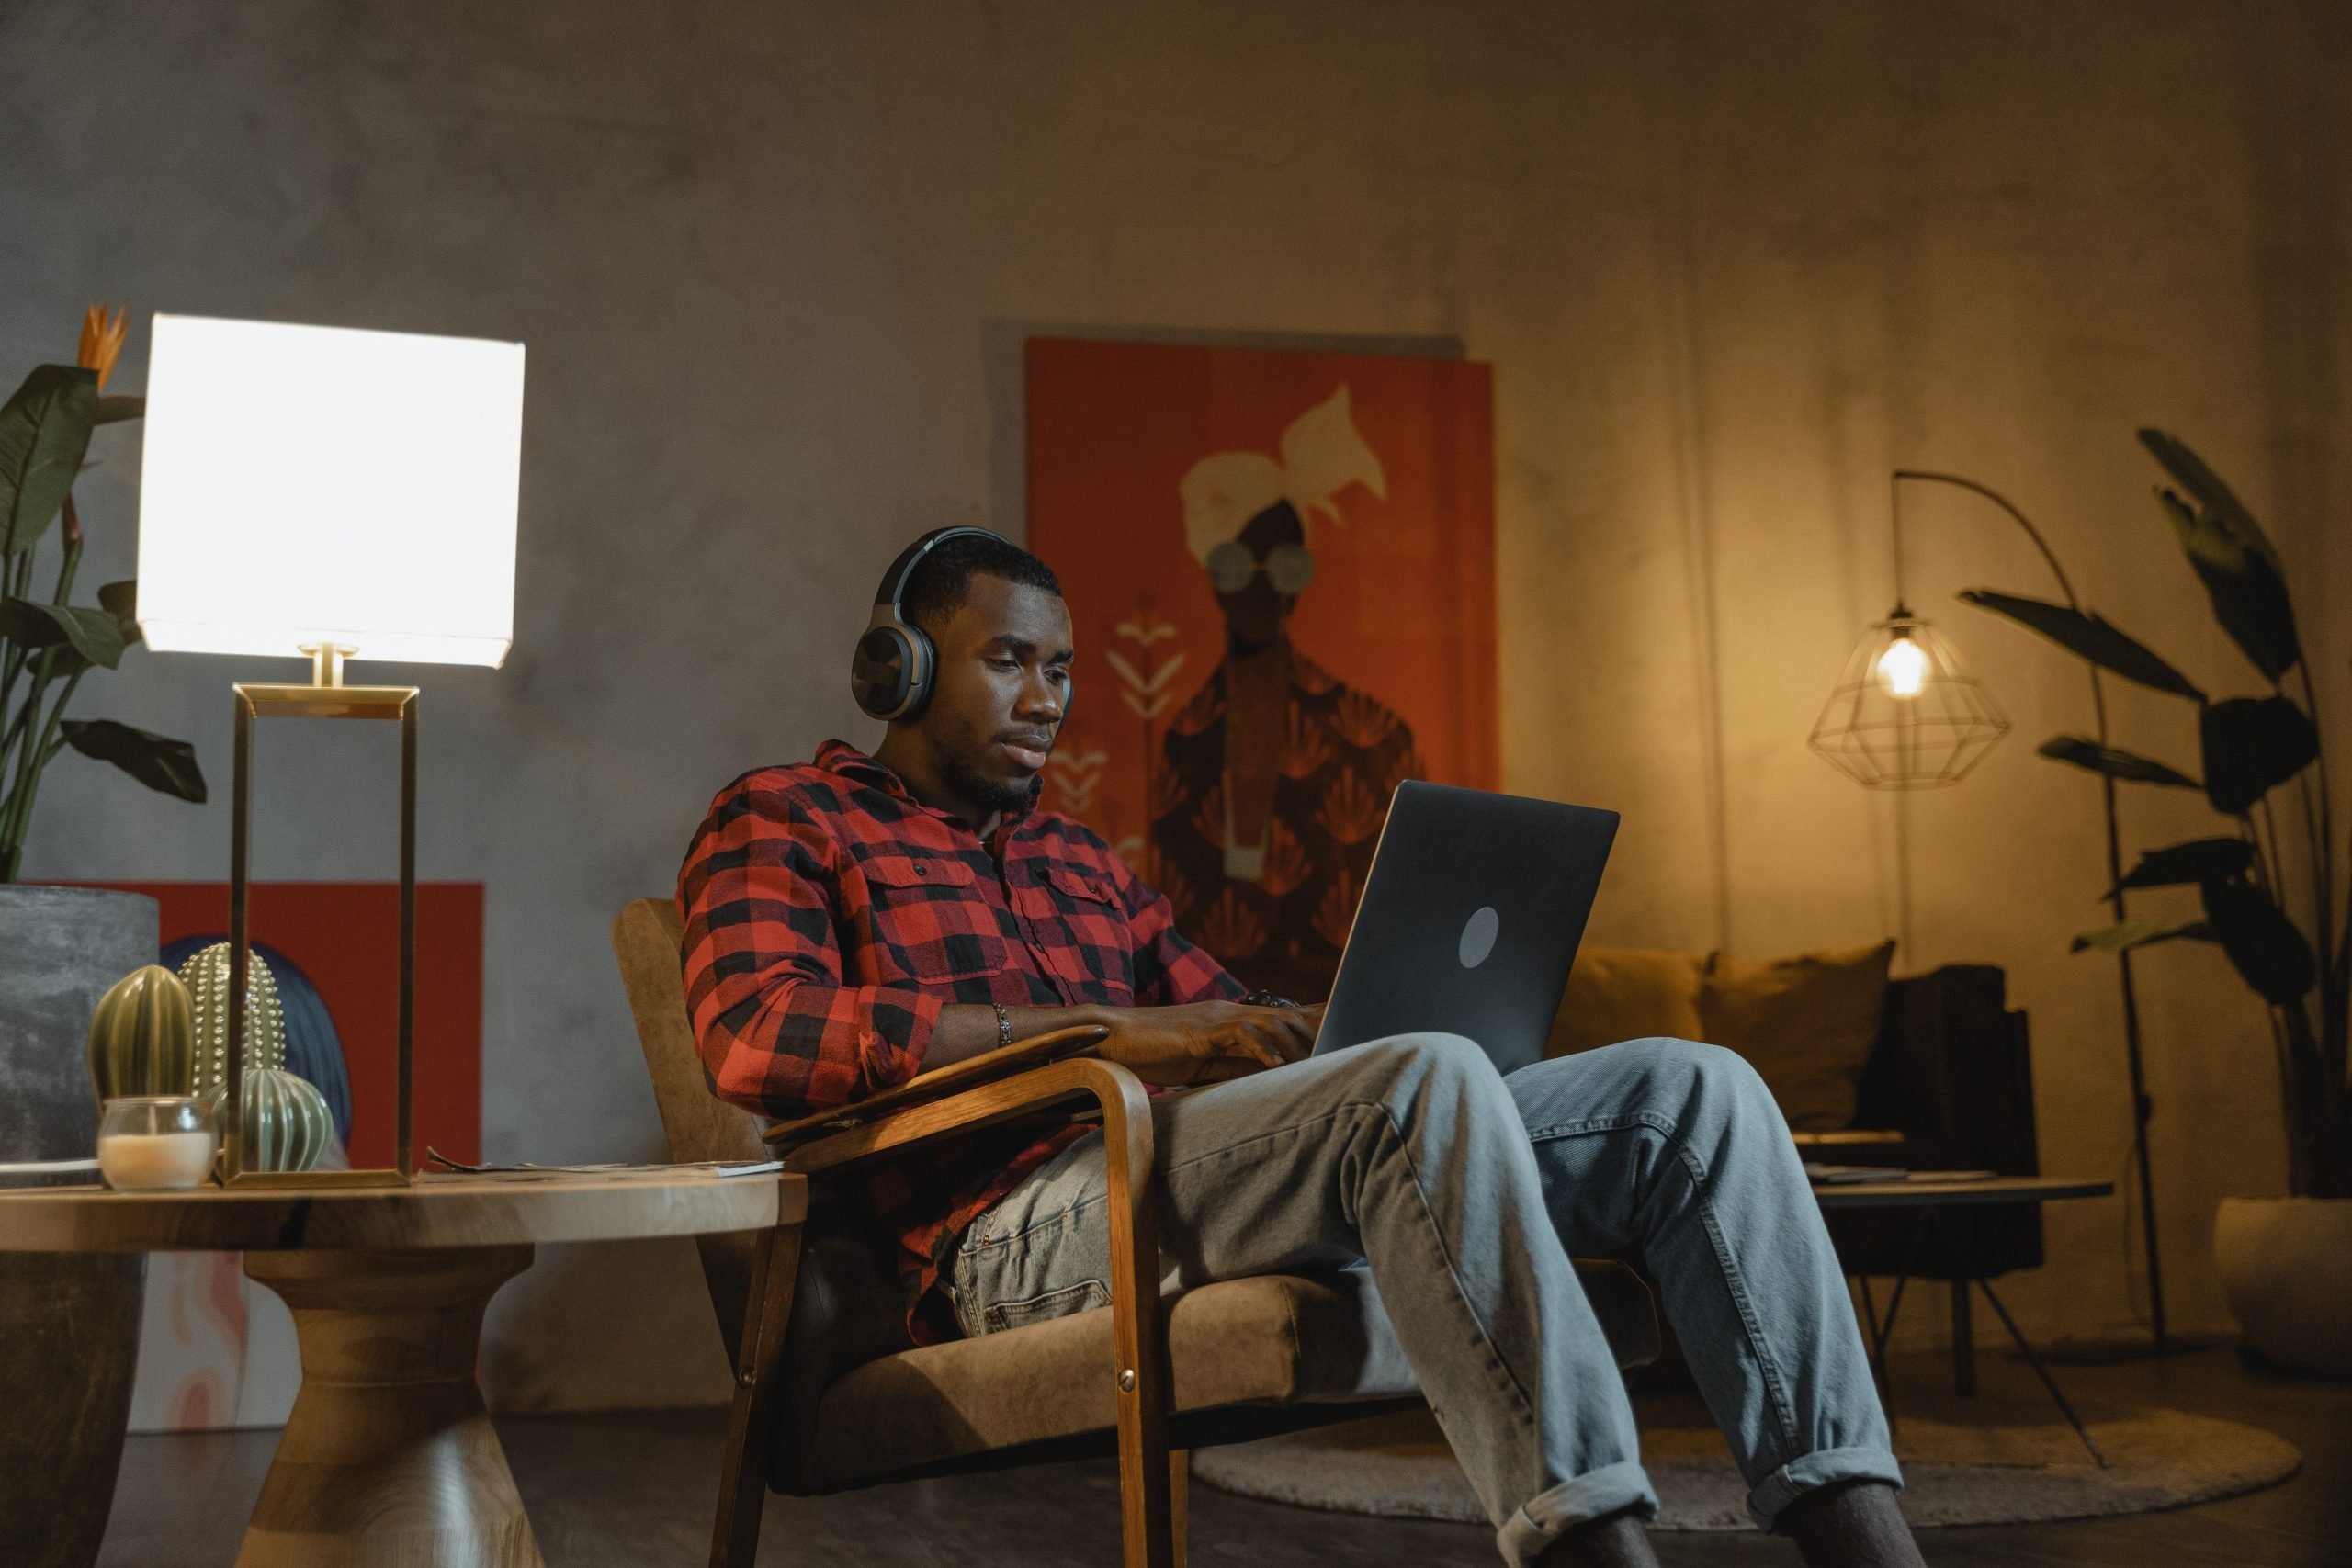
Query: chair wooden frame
{"x": 903, "y": 1120}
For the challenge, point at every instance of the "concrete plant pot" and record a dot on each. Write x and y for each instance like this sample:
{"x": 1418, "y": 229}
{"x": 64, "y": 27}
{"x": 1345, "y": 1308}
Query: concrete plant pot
{"x": 69, "y": 1323}
{"x": 2287, "y": 1268}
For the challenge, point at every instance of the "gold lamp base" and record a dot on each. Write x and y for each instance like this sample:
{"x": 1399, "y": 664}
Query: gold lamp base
{"x": 325, "y": 697}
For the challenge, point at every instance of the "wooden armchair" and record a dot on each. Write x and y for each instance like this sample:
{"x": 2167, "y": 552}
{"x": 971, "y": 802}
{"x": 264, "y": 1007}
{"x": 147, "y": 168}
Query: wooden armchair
{"x": 830, "y": 1395}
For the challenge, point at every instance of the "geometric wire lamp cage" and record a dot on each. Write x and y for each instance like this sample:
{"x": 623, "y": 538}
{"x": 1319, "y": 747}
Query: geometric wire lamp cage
{"x": 1905, "y": 714}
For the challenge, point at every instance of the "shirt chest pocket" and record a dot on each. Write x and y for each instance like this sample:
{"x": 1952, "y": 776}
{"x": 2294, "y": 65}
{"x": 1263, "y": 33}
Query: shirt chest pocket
{"x": 1095, "y": 952}
{"x": 932, "y": 923}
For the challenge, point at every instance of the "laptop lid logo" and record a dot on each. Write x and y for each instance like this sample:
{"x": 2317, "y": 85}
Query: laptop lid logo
{"x": 1478, "y": 936}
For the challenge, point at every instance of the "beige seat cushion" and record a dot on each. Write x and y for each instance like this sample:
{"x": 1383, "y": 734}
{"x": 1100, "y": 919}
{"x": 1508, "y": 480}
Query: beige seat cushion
{"x": 1808, "y": 1024}
{"x": 1277, "y": 1341}
{"x": 1627, "y": 993}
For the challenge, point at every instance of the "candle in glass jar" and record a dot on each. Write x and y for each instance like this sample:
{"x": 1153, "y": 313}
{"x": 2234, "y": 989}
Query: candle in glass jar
{"x": 154, "y": 1162}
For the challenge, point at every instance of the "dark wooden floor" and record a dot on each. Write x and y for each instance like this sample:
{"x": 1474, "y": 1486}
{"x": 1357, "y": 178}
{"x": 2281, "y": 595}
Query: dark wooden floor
{"x": 636, "y": 1490}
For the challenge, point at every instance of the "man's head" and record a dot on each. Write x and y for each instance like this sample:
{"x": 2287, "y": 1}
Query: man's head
{"x": 1000, "y": 680}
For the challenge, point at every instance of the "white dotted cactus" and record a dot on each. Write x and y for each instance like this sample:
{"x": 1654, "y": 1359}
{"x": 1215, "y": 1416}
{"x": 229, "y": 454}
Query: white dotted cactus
{"x": 285, "y": 1119}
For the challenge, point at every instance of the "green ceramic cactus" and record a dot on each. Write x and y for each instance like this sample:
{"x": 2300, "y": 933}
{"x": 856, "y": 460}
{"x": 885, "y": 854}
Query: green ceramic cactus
{"x": 284, "y": 1120}
{"x": 142, "y": 1037}
{"x": 205, "y": 972}
{"x": 285, "y": 1124}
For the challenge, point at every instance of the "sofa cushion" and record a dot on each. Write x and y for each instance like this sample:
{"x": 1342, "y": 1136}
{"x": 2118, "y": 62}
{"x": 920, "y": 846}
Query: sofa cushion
{"x": 1627, "y": 993}
{"x": 1807, "y": 1024}
{"x": 1276, "y": 1340}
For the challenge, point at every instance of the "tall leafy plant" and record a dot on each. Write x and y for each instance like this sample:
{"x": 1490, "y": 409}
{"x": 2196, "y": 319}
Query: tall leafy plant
{"x": 2261, "y": 757}
{"x": 47, "y": 644}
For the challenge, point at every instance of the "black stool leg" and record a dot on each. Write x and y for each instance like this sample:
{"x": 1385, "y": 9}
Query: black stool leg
{"x": 1964, "y": 1342}
{"x": 1960, "y": 1250}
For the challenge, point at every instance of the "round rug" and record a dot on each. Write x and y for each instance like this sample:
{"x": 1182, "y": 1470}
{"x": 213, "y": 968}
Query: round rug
{"x": 1954, "y": 1472}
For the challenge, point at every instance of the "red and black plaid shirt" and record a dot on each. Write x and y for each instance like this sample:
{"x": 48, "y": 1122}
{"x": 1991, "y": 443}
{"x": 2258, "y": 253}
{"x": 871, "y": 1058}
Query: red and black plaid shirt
{"x": 830, "y": 916}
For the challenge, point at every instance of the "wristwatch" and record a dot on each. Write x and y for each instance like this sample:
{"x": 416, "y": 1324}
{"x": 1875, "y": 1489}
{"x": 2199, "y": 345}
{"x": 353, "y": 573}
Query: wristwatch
{"x": 1261, "y": 998}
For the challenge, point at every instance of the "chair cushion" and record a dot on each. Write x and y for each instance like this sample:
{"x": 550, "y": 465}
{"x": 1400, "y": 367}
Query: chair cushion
{"x": 1276, "y": 1340}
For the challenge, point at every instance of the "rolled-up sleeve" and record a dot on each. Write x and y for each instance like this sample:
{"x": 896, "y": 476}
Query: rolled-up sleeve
{"x": 780, "y": 1027}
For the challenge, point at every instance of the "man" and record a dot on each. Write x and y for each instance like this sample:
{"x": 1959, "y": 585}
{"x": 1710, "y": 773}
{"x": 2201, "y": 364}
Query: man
{"x": 857, "y": 920}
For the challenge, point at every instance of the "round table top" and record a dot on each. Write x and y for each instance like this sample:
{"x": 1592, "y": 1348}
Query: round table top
{"x": 1926, "y": 1192}
{"x": 438, "y": 1211}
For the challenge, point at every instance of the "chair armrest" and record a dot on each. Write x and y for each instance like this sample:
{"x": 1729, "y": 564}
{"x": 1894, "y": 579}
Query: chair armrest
{"x": 1021, "y": 1054}
{"x": 1127, "y": 1113}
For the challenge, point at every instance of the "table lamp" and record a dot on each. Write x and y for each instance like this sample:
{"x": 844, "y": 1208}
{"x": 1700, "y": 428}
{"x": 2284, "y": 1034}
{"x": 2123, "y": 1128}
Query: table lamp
{"x": 332, "y": 494}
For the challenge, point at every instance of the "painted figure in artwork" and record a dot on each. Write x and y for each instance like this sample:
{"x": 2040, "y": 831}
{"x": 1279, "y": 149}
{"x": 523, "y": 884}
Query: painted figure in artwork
{"x": 1275, "y": 774}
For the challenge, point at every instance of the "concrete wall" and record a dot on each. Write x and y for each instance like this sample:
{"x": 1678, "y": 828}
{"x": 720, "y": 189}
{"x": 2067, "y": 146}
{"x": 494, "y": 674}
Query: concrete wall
{"x": 1732, "y": 261}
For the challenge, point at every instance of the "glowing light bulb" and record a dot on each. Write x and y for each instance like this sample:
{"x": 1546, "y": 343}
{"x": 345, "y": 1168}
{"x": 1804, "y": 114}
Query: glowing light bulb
{"x": 1903, "y": 668}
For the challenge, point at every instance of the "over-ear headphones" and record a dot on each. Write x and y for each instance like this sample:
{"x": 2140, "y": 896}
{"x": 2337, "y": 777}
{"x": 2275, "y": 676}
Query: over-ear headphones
{"x": 891, "y": 672}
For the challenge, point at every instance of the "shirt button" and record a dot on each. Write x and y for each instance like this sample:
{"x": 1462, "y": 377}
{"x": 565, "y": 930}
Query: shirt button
{"x": 922, "y": 870}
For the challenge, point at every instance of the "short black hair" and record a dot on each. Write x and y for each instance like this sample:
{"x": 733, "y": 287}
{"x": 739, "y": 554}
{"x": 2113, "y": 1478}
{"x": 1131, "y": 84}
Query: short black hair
{"x": 936, "y": 588}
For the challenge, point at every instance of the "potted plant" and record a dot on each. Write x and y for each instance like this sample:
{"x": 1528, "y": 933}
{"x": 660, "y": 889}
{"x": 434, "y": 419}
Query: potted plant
{"x": 61, "y": 1441}
{"x": 2267, "y": 891}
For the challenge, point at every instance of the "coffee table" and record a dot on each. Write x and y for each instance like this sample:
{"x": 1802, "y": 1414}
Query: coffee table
{"x": 388, "y": 1457}
{"x": 1934, "y": 1205}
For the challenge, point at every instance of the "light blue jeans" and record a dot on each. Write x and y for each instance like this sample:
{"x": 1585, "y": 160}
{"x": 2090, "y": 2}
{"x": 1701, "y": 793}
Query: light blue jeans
{"x": 1465, "y": 1193}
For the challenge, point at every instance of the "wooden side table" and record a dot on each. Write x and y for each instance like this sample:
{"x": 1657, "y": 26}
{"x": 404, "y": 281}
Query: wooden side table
{"x": 389, "y": 1459}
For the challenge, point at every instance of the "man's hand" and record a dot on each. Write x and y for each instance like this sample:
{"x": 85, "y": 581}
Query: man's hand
{"x": 1205, "y": 1042}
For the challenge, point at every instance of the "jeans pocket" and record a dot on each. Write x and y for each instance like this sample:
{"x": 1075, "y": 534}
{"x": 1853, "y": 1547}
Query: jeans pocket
{"x": 1084, "y": 1296}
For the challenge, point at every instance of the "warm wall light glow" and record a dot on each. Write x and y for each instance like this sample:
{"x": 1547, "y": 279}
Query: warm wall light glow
{"x": 320, "y": 484}
{"x": 1903, "y": 668}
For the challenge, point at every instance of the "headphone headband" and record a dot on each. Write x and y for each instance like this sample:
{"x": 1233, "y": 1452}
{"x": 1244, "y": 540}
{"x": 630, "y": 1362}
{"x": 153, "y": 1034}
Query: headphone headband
{"x": 894, "y": 582}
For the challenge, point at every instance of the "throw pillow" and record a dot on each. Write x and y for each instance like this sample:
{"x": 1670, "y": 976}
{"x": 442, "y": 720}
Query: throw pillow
{"x": 1807, "y": 1024}
{"x": 1626, "y": 993}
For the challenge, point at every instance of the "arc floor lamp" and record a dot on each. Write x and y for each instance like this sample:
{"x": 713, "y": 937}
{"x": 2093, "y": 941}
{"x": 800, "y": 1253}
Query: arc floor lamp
{"x": 1907, "y": 715}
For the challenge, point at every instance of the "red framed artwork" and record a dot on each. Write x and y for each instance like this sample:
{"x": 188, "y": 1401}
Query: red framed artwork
{"x": 1280, "y": 567}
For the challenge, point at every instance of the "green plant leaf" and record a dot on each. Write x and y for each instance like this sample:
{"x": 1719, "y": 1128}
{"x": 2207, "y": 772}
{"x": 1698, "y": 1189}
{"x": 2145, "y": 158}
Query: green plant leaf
{"x": 2142, "y": 931}
{"x": 120, "y": 600}
{"x": 44, "y": 430}
{"x": 2252, "y": 745}
{"x": 2269, "y": 951}
{"x": 2248, "y": 594}
{"x": 2088, "y": 637}
{"x": 2084, "y": 753}
{"x": 155, "y": 760}
{"x": 2191, "y": 472}
{"x": 2200, "y": 860}
{"x": 96, "y": 635}
{"x": 112, "y": 411}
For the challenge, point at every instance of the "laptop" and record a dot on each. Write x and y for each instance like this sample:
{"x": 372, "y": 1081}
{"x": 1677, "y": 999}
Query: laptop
{"x": 1469, "y": 920}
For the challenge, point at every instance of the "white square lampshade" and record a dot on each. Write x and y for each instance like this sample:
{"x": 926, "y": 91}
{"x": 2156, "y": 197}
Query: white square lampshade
{"x": 307, "y": 485}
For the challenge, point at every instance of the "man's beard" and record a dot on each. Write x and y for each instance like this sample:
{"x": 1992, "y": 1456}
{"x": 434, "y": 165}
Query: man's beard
{"x": 997, "y": 794}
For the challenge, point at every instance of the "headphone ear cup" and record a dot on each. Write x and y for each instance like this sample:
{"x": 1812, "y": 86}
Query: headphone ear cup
{"x": 882, "y": 671}
{"x": 922, "y": 668}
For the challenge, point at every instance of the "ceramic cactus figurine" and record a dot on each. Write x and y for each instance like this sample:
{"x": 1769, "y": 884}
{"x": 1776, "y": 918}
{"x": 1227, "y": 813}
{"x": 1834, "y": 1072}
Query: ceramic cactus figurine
{"x": 286, "y": 1122}
{"x": 142, "y": 1037}
{"x": 205, "y": 974}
